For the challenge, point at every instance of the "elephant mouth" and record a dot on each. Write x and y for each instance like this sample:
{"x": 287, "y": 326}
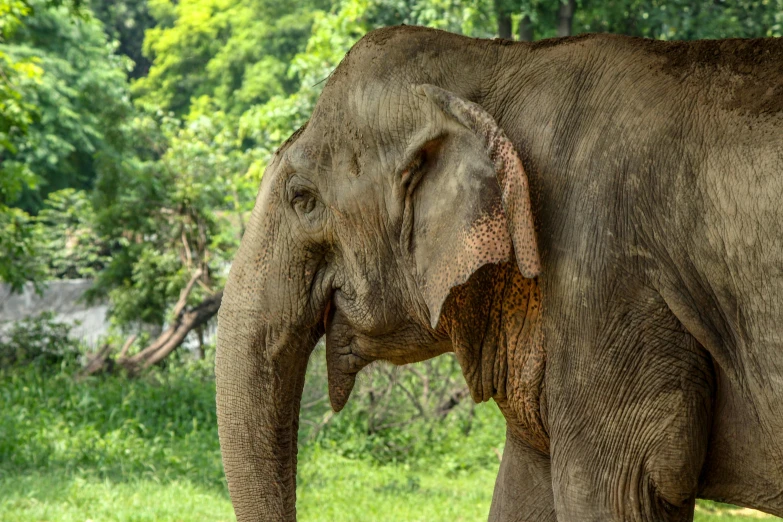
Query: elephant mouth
{"x": 348, "y": 351}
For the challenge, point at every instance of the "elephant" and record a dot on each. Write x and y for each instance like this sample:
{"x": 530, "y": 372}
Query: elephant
{"x": 593, "y": 225}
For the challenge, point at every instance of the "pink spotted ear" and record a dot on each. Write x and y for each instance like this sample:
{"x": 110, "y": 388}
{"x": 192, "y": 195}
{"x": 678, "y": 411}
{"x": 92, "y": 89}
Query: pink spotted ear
{"x": 509, "y": 172}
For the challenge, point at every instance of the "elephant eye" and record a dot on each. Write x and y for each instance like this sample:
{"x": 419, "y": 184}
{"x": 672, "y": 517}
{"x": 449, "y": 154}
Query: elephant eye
{"x": 301, "y": 195}
{"x": 303, "y": 201}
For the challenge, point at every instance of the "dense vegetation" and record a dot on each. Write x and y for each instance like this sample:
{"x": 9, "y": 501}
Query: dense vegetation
{"x": 109, "y": 448}
{"x": 133, "y": 135}
{"x": 146, "y": 449}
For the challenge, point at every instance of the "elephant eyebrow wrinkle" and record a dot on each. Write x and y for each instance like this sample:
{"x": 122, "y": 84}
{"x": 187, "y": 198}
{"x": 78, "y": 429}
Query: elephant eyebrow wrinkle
{"x": 301, "y": 159}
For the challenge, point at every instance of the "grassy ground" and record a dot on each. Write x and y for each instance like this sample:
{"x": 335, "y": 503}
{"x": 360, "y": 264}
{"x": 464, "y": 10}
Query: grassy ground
{"x": 111, "y": 449}
{"x": 331, "y": 489}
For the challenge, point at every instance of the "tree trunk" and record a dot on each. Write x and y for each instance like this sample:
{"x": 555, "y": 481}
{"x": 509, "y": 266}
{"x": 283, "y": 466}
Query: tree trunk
{"x": 504, "y": 20}
{"x": 565, "y": 17}
{"x": 504, "y": 26}
{"x": 173, "y": 337}
{"x": 200, "y": 348}
{"x": 525, "y": 29}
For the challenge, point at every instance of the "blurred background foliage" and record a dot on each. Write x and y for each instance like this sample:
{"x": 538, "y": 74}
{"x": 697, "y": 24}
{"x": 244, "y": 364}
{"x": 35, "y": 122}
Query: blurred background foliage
{"x": 133, "y": 135}
{"x": 162, "y": 114}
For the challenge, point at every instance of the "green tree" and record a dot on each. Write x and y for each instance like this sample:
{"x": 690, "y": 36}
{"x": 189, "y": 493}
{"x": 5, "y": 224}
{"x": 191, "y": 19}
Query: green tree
{"x": 660, "y": 19}
{"x": 80, "y": 98}
{"x": 333, "y": 33}
{"x": 683, "y": 19}
{"x": 17, "y": 245}
{"x": 18, "y": 113}
{"x": 174, "y": 213}
{"x": 235, "y": 52}
{"x": 175, "y": 210}
{"x": 471, "y": 17}
{"x": 69, "y": 245}
{"x": 125, "y": 22}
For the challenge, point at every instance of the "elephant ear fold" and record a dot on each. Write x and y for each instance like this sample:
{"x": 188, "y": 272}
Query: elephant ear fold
{"x": 490, "y": 217}
{"x": 510, "y": 174}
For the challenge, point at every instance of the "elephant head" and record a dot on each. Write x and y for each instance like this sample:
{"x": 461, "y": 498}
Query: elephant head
{"x": 369, "y": 219}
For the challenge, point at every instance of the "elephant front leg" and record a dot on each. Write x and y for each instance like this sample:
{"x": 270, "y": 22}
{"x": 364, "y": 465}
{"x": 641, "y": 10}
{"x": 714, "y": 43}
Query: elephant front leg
{"x": 629, "y": 416}
{"x": 523, "y": 489}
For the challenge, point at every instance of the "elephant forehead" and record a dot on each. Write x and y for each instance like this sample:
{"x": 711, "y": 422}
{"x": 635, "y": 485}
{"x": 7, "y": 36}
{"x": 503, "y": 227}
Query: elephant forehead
{"x": 307, "y": 156}
{"x": 358, "y": 203}
{"x": 365, "y": 110}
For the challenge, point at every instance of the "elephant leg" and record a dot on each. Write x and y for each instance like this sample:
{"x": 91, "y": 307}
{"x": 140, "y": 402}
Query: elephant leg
{"x": 629, "y": 414}
{"x": 523, "y": 489}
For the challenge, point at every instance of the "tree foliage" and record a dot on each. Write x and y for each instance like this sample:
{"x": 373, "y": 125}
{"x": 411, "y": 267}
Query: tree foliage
{"x": 62, "y": 98}
{"x": 235, "y": 52}
{"x": 40, "y": 341}
{"x": 69, "y": 245}
{"x": 80, "y": 99}
{"x": 125, "y": 21}
{"x": 133, "y": 133}
{"x": 174, "y": 210}
{"x": 17, "y": 253}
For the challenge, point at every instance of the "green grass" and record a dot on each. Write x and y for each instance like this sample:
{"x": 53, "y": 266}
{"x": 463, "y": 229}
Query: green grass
{"x": 336, "y": 488}
{"x": 708, "y": 511}
{"x": 331, "y": 488}
{"x": 74, "y": 498}
{"x": 147, "y": 450}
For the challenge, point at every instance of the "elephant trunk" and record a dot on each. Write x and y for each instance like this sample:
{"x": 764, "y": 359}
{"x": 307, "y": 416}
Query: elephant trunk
{"x": 265, "y": 337}
{"x": 260, "y": 376}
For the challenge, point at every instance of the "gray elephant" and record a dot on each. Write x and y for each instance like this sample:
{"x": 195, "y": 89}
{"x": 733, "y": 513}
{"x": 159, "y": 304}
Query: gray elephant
{"x": 593, "y": 225}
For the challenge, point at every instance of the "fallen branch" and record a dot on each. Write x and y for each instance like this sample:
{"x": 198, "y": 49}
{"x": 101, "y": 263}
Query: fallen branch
{"x": 128, "y": 343}
{"x": 185, "y": 320}
{"x": 98, "y": 363}
{"x": 171, "y": 339}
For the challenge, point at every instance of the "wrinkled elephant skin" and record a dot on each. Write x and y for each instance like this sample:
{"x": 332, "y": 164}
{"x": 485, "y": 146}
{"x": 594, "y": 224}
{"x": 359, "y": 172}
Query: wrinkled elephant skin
{"x": 592, "y": 225}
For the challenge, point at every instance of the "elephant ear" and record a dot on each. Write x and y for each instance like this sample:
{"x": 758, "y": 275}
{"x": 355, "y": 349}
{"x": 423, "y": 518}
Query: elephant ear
{"x": 472, "y": 205}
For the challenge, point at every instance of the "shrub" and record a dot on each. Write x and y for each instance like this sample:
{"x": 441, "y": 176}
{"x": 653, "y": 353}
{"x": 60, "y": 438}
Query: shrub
{"x": 41, "y": 341}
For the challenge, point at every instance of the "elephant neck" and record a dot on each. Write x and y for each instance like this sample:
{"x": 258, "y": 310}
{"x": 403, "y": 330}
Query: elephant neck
{"x": 495, "y": 328}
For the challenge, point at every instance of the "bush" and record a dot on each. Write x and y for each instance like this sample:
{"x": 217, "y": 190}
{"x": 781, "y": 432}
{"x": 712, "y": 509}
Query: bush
{"x": 164, "y": 426}
{"x": 40, "y": 341}
{"x": 161, "y": 427}
{"x": 417, "y": 414}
